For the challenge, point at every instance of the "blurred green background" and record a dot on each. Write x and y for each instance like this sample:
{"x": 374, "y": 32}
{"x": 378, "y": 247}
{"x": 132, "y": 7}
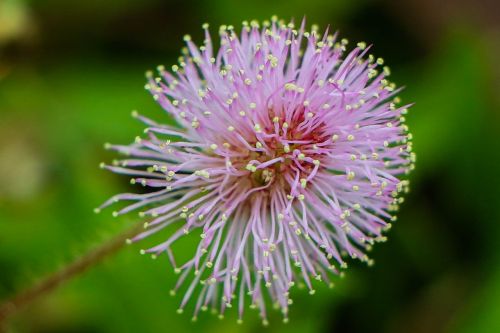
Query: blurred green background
{"x": 71, "y": 72}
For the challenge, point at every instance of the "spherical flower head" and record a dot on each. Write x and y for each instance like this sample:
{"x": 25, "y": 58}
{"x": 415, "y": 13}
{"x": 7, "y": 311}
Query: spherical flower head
{"x": 285, "y": 160}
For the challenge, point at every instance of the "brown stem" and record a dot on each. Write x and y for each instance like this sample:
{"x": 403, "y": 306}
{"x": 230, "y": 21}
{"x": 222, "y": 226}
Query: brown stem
{"x": 51, "y": 282}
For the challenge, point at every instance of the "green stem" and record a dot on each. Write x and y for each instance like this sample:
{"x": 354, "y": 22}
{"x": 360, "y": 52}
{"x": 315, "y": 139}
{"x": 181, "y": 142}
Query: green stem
{"x": 75, "y": 268}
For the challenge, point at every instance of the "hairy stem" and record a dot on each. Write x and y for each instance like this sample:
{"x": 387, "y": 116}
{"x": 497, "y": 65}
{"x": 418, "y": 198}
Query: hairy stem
{"x": 73, "y": 269}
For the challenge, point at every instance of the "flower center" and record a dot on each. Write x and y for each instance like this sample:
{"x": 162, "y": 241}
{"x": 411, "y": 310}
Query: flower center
{"x": 284, "y": 155}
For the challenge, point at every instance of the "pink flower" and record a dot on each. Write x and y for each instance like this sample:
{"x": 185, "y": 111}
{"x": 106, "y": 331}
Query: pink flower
{"x": 284, "y": 160}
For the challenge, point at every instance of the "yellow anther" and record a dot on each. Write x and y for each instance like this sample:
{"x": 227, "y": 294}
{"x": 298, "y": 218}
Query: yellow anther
{"x": 362, "y": 45}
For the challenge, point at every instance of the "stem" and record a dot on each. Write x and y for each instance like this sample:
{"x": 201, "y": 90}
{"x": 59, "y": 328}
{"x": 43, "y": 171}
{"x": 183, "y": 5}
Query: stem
{"x": 51, "y": 282}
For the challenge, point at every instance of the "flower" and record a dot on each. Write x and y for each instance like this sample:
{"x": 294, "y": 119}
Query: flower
{"x": 285, "y": 160}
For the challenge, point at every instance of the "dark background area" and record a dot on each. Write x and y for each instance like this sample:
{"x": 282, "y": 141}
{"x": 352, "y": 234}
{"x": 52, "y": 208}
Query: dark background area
{"x": 71, "y": 72}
